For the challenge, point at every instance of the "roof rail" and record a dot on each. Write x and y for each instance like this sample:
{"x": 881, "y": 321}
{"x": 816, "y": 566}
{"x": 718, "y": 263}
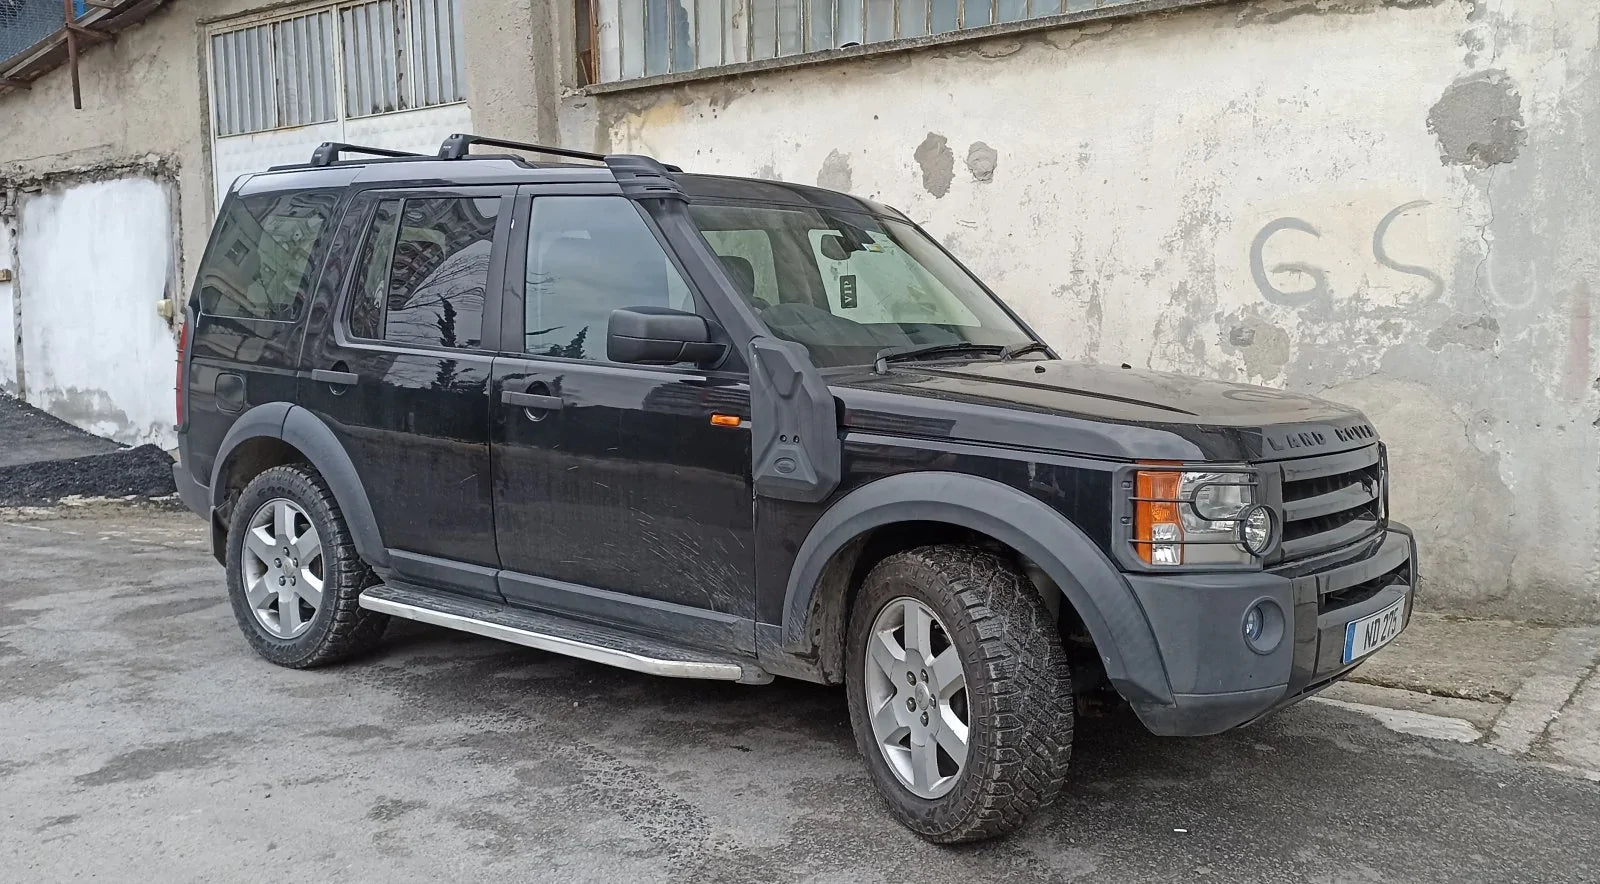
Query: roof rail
{"x": 459, "y": 145}
{"x": 327, "y": 153}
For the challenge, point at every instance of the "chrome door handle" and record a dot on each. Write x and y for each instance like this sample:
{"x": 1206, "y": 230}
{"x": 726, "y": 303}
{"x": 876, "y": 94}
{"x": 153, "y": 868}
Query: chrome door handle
{"x": 532, "y": 400}
{"x": 342, "y": 378}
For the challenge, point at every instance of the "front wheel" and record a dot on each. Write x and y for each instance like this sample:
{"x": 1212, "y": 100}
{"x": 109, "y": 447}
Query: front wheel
{"x": 960, "y": 694}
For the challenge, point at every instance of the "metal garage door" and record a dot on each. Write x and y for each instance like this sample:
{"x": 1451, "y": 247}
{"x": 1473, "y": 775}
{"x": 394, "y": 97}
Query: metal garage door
{"x": 388, "y": 73}
{"x": 93, "y": 260}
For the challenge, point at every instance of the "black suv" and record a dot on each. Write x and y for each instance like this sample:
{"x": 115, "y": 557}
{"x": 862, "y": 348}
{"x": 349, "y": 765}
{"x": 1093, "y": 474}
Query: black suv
{"x": 713, "y": 427}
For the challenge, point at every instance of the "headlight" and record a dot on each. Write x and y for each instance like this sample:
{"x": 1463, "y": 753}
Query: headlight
{"x": 1201, "y": 518}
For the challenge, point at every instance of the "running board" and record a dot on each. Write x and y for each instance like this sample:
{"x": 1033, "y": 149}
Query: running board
{"x": 558, "y": 635}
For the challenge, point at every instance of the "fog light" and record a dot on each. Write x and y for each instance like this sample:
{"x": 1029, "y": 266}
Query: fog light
{"x": 1254, "y": 622}
{"x": 1263, "y": 626}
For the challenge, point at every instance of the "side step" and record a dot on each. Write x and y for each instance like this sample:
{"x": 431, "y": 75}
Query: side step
{"x": 559, "y": 635}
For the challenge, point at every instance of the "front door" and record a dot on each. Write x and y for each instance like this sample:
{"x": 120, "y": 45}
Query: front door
{"x": 616, "y": 496}
{"x": 400, "y": 372}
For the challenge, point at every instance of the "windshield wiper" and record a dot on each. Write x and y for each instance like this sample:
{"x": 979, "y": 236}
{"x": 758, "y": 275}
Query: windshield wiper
{"x": 917, "y": 351}
{"x": 1014, "y": 350}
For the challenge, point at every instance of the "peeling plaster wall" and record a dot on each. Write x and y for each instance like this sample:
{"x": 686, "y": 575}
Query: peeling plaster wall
{"x": 8, "y": 307}
{"x": 146, "y": 113}
{"x": 1389, "y": 203}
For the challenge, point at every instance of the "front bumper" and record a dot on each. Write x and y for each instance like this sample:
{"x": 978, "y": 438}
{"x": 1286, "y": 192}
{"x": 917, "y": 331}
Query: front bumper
{"x": 1218, "y": 681}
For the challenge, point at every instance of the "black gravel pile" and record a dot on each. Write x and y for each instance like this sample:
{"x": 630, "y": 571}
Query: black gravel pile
{"x": 28, "y": 434}
{"x": 143, "y": 472}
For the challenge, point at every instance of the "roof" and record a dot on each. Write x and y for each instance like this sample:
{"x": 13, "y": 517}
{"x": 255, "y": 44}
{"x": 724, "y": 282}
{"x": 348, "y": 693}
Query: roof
{"x": 334, "y": 165}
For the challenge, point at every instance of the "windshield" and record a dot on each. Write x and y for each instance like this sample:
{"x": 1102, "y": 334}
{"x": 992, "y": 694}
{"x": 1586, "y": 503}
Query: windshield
{"x": 847, "y": 285}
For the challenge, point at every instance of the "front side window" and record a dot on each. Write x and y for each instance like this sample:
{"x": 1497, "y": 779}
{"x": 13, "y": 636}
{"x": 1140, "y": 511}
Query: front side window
{"x": 424, "y": 271}
{"x": 260, "y": 262}
{"x": 588, "y": 256}
{"x": 848, "y": 285}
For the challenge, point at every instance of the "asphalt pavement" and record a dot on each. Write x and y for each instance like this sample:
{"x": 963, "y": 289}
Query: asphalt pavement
{"x": 141, "y": 740}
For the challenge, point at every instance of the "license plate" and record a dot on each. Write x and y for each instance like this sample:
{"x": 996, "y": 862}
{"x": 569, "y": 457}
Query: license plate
{"x": 1373, "y": 632}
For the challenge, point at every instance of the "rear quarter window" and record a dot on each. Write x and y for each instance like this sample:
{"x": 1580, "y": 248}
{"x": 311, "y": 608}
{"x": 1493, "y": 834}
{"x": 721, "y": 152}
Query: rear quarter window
{"x": 261, "y": 261}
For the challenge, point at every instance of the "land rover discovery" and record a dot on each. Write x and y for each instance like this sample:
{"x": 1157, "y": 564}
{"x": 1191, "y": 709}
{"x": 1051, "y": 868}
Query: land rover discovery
{"x": 712, "y": 427}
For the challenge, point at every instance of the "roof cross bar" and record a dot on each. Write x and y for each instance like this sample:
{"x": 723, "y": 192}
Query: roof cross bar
{"x": 459, "y": 145}
{"x": 327, "y": 153}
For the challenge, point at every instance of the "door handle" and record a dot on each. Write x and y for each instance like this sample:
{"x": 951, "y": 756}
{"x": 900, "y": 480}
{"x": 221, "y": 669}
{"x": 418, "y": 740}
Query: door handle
{"x": 340, "y": 378}
{"x": 532, "y": 400}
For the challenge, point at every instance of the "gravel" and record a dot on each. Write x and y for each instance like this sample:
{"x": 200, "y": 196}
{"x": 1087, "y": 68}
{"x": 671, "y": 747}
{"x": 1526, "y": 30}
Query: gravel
{"x": 143, "y": 472}
{"x": 44, "y": 459}
{"x": 28, "y": 435}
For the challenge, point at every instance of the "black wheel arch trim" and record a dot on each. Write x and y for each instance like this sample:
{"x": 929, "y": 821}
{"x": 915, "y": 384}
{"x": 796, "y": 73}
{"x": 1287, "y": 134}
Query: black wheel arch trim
{"x": 308, "y": 434}
{"x": 1108, "y": 607}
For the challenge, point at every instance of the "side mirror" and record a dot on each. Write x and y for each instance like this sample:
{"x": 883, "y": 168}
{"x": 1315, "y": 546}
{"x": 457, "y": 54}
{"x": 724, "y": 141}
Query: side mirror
{"x": 660, "y": 336}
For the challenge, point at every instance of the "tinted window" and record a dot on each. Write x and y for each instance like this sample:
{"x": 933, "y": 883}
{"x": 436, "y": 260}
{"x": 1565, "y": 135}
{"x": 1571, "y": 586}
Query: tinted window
{"x": 588, "y": 256}
{"x": 848, "y": 285}
{"x": 424, "y": 270}
{"x": 260, "y": 263}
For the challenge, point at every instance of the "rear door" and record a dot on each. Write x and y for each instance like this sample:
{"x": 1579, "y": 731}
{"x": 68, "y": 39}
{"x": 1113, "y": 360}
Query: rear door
{"x": 616, "y": 496}
{"x": 400, "y": 371}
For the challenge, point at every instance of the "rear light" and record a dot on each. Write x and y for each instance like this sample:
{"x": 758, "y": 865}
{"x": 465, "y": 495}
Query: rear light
{"x": 183, "y": 352}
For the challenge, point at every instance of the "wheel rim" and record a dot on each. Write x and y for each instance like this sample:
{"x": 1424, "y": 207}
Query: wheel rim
{"x": 283, "y": 568}
{"x": 916, "y": 693}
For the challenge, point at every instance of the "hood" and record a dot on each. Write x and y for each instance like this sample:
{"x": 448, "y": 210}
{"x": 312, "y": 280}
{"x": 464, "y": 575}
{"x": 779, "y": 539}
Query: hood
{"x": 1097, "y": 410}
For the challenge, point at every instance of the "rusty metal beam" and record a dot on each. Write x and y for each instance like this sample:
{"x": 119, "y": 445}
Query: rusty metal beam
{"x": 92, "y": 36}
{"x": 72, "y": 53}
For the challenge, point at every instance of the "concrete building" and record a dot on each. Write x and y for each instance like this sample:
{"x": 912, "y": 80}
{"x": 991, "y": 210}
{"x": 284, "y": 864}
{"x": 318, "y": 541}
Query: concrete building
{"x": 1389, "y": 202}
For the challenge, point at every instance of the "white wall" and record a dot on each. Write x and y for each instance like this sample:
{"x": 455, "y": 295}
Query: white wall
{"x": 1391, "y": 204}
{"x": 8, "y": 329}
{"x": 95, "y": 259}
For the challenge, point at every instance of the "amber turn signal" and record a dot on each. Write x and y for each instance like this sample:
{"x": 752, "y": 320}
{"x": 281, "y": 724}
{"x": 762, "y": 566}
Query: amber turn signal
{"x": 1155, "y": 517}
{"x": 724, "y": 420}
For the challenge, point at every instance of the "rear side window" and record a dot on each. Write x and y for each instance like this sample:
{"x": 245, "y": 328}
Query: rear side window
{"x": 260, "y": 263}
{"x": 424, "y": 270}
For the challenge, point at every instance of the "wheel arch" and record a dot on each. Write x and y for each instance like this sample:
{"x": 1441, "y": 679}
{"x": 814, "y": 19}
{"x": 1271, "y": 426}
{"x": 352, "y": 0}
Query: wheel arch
{"x": 818, "y": 594}
{"x": 278, "y": 433}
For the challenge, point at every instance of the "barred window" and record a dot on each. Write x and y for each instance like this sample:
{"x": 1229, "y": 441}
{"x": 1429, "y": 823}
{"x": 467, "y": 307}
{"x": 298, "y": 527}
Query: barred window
{"x": 626, "y": 39}
{"x": 352, "y": 60}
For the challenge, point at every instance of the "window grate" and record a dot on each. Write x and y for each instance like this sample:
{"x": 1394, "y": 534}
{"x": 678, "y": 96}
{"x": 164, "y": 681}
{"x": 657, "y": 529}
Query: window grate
{"x": 644, "y": 38}
{"x": 352, "y": 60}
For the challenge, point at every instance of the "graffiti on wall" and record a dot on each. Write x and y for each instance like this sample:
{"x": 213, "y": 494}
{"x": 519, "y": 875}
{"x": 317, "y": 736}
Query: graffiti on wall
{"x": 1316, "y": 286}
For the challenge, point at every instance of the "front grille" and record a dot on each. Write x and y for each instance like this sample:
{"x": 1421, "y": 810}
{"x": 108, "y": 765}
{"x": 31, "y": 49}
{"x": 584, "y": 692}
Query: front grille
{"x": 1355, "y": 595}
{"x": 1332, "y": 501}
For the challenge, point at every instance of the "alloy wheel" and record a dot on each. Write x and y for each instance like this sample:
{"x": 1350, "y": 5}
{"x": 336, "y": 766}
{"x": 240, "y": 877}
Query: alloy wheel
{"x": 283, "y": 568}
{"x": 916, "y": 692}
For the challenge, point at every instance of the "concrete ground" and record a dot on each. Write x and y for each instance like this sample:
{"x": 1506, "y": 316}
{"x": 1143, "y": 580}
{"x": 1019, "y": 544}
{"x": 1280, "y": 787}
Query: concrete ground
{"x": 140, "y": 739}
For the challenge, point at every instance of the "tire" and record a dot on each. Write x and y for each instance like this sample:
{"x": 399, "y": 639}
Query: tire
{"x": 298, "y": 633}
{"x": 1018, "y": 704}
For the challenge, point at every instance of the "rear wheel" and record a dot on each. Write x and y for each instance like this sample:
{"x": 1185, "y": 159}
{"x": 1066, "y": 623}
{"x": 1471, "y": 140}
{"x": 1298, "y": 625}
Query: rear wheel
{"x": 294, "y": 577}
{"x": 960, "y": 695}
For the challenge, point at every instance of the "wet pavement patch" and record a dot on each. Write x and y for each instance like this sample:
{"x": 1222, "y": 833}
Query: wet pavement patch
{"x": 159, "y": 758}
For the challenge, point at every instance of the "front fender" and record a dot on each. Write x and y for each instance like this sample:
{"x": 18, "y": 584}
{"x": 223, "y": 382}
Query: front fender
{"x": 1094, "y": 587}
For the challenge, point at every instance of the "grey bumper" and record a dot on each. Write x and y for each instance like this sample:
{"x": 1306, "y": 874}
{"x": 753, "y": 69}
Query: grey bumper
{"x": 195, "y": 496}
{"x": 1218, "y": 681}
